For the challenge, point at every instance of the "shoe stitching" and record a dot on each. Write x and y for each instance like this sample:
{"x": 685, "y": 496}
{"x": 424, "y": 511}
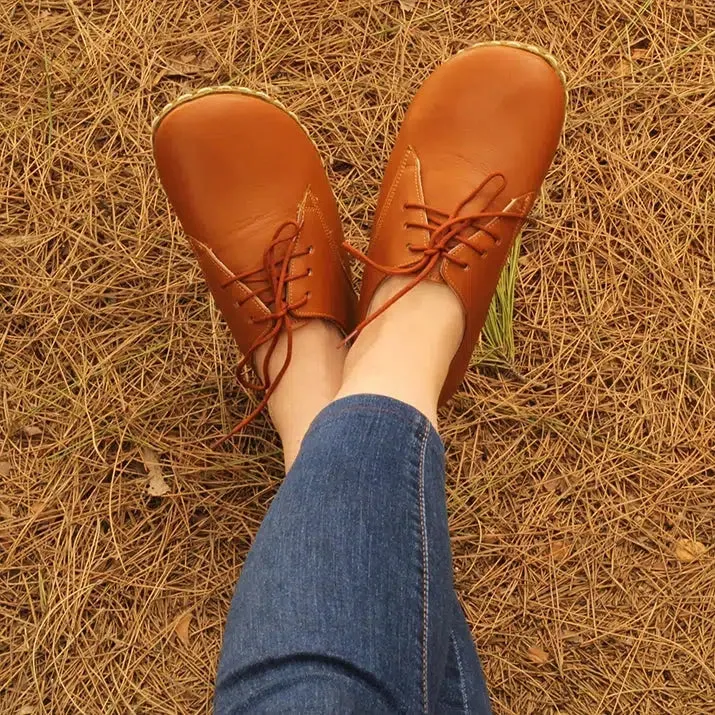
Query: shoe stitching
{"x": 516, "y": 204}
{"x": 393, "y": 191}
{"x": 222, "y": 269}
{"x": 420, "y": 193}
{"x": 311, "y": 204}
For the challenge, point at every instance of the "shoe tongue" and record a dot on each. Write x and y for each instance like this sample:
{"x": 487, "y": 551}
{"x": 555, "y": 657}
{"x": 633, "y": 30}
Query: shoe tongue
{"x": 261, "y": 284}
{"x": 482, "y": 201}
{"x": 274, "y": 260}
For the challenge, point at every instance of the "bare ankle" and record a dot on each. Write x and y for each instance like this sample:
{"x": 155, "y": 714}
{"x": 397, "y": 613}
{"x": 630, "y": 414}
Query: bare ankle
{"x": 310, "y": 383}
{"x": 406, "y": 352}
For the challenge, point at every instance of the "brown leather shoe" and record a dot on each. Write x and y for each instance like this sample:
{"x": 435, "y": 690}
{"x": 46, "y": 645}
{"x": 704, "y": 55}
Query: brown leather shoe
{"x": 250, "y": 191}
{"x": 470, "y": 157}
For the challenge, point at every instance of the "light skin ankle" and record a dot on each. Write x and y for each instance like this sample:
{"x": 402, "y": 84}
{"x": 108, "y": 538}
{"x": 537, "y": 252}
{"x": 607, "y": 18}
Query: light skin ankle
{"x": 309, "y": 384}
{"x": 406, "y": 352}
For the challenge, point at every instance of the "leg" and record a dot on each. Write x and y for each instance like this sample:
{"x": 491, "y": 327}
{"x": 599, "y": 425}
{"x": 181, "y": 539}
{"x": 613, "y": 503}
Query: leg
{"x": 311, "y": 381}
{"x": 463, "y": 689}
{"x": 346, "y": 601}
{"x": 406, "y": 352}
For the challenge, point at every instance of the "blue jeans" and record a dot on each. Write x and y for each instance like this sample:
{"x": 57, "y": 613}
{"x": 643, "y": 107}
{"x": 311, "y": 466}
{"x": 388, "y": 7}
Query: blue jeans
{"x": 346, "y": 601}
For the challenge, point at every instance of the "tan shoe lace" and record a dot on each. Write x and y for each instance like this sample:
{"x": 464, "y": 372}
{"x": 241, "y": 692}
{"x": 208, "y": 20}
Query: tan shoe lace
{"x": 271, "y": 281}
{"x": 446, "y": 231}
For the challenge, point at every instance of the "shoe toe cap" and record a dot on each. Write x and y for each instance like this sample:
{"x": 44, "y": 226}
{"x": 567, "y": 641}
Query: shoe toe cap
{"x": 227, "y": 158}
{"x": 491, "y": 108}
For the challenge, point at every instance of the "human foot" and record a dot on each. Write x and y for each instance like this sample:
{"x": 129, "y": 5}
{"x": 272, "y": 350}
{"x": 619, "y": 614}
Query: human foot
{"x": 470, "y": 157}
{"x": 251, "y": 193}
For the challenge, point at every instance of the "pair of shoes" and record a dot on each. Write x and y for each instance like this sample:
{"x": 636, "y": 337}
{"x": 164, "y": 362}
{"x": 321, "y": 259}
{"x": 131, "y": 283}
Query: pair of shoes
{"x": 249, "y": 188}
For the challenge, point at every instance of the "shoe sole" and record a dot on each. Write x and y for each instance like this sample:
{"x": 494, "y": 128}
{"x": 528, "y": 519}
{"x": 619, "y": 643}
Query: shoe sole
{"x": 533, "y": 49}
{"x": 226, "y": 89}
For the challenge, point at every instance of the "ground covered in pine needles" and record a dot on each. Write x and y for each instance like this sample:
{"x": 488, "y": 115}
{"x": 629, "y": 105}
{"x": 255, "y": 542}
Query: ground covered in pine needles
{"x": 581, "y": 464}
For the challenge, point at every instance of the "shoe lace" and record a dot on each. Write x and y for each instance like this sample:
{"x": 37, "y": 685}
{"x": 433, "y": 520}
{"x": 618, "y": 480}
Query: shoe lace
{"x": 446, "y": 231}
{"x": 270, "y": 282}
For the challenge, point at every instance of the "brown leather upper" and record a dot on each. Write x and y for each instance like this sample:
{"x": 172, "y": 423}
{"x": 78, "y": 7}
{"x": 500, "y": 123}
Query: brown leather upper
{"x": 477, "y": 140}
{"x": 250, "y": 191}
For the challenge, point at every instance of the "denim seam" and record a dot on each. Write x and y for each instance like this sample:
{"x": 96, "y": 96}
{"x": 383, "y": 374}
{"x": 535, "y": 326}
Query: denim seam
{"x": 460, "y": 668}
{"x": 425, "y": 570}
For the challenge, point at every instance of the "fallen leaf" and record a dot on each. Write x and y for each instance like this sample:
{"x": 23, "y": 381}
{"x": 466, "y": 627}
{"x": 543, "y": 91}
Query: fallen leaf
{"x": 688, "y": 550}
{"x": 525, "y": 261}
{"x": 44, "y": 19}
{"x": 559, "y": 550}
{"x": 36, "y": 508}
{"x": 181, "y": 627}
{"x": 571, "y": 636}
{"x": 555, "y": 483}
{"x": 638, "y": 53}
{"x": 208, "y": 64}
{"x": 189, "y": 64}
{"x": 490, "y": 539}
{"x": 408, "y": 5}
{"x": 32, "y": 430}
{"x": 26, "y": 710}
{"x": 151, "y": 461}
{"x": 157, "y": 486}
{"x": 623, "y": 68}
{"x": 537, "y": 655}
{"x": 5, "y": 511}
{"x": 158, "y": 77}
{"x": 5, "y": 468}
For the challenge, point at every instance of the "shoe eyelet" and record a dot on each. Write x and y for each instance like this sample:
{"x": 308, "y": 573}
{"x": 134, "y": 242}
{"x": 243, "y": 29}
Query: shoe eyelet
{"x": 465, "y": 267}
{"x": 310, "y": 249}
{"x": 310, "y": 272}
{"x": 308, "y": 293}
{"x": 483, "y": 254}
